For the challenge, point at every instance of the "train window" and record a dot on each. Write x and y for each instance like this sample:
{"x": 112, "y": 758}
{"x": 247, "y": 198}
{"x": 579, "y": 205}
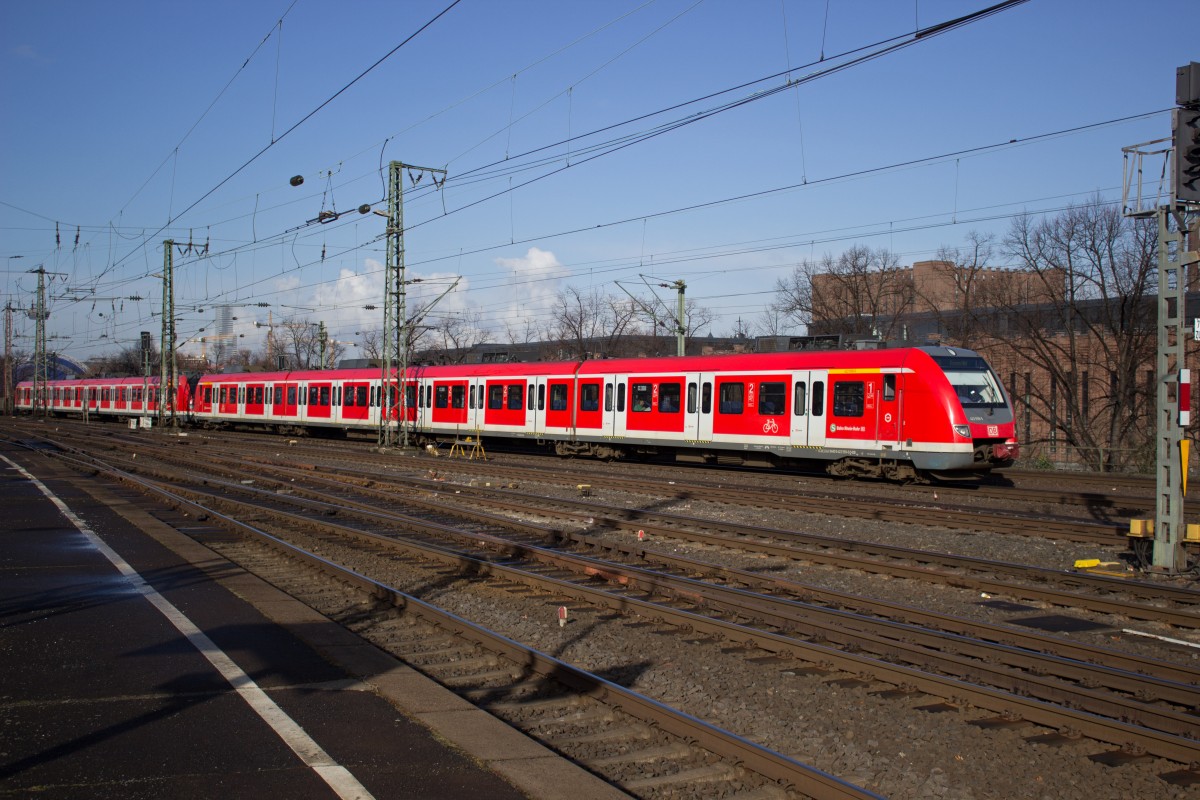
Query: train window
{"x": 441, "y": 397}
{"x": 258, "y": 394}
{"x": 495, "y": 397}
{"x": 515, "y": 396}
{"x": 889, "y": 387}
{"x": 529, "y": 404}
{"x": 542, "y": 397}
{"x": 608, "y": 397}
{"x": 241, "y": 394}
{"x": 337, "y": 395}
{"x": 457, "y": 396}
{"x": 798, "y": 399}
{"x": 278, "y": 395}
{"x": 668, "y": 397}
{"x": 706, "y": 398}
{"x": 558, "y": 397}
{"x": 313, "y": 395}
{"x": 208, "y": 394}
{"x": 772, "y": 399}
{"x": 347, "y": 397}
{"x": 291, "y": 395}
{"x": 848, "y": 398}
{"x": 589, "y": 397}
{"x": 640, "y": 396}
{"x": 428, "y": 396}
{"x": 410, "y": 395}
{"x": 471, "y": 398}
{"x": 374, "y": 396}
{"x": 691, "y": 398}
{"x": 224, "y": 395}
{"x": 733, "y": 398}
{"x": 620, "y": 397}
{"x": 818, "y": 398}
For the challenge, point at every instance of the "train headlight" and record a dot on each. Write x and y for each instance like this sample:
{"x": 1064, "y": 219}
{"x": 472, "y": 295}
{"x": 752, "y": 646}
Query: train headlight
{"x": 963, "y": 431}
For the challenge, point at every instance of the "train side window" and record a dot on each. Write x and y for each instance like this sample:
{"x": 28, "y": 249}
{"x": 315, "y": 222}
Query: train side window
{"x": 337, "y": 395}
{"x": 441, "y": 397}
{"x": 848, "y": 398}
{"x": 291, "y": 395}
{"x": 542, "y": 397}
{"x": 772, "y": 399}
{"x": 620, "y": 397}
{"x": 410, "y": 395}
{"x": 241, "y": 394}
{"x": 889, "y": 387}
{"x": 495, "y": 396}
{"x": 347, "y": 397}
{"x": 471, "y": 398}
{"x": 706, "y": 398}
{"x": 374, "y": 396}
{"x": 529, "y": 406}
{"x": 558, "y": 397}
{"x": 278, "y": 395}
{"x": 732, "y": 398}
{"x": 798, "y": 399}
{"x": 458, "y": 396}
{"x": 668, "y": 397}
{"x": 515, "y": 398}
{"x": 640, "y": 396}
{"x": 325, "y": 395}
{"x": 608, "y": 397}
{"x": 428, "y": 396}
{"x": 208, "y": 394}
{"x": 589, "y": 397}
{"x": 818, "y": 398}
{"x": 691, "y": 398}
{"x": 313, "y": 395}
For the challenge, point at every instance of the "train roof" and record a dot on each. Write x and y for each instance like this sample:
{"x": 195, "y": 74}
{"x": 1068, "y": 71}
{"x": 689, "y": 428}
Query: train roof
{"x": 792, "y": 359}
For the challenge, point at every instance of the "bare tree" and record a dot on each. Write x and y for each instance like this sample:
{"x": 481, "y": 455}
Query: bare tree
{"x": 588, "y": 323}
{"x": 298, "y": 343}
{"x": 1083, "y": 323}
{"x": 370, "y": 343}
{"x": 448, "y": 338}
{"x": 862, "y": 291}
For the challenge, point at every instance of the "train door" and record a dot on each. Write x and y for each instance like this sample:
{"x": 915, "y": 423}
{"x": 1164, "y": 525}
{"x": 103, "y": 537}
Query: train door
{"x": 889, "y": 409}
{"x": 535, "y": 404}
{"x": 817, "y": 391}
{"x": 801, "y": 389}
{"x": 691, "y": 408}
{"x": 702, "y": 418}
{"x": 475, "y": 405}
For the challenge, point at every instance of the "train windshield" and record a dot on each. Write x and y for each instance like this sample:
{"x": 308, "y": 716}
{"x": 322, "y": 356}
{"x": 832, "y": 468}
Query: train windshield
{"x": 973, "y": 381}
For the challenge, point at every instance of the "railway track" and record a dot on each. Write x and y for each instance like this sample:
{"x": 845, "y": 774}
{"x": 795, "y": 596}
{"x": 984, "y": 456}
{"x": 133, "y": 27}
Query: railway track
{"x": 787, "y": 628}
{"x": 876, "y": 655}
{"x": 641, "y": 745}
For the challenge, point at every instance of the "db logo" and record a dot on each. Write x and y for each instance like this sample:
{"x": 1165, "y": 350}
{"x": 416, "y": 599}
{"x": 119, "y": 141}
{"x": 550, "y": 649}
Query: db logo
{"x": 993, "y": 430}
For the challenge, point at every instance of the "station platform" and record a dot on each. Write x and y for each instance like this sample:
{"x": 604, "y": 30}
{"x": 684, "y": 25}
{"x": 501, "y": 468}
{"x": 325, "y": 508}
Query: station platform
{"x": 137, "y": 663}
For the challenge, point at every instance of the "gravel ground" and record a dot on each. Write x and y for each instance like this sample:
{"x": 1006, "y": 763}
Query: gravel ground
{"x": 888, "y": 745}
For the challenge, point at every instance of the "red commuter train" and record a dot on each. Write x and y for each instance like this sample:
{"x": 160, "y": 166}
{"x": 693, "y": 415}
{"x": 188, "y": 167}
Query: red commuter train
{"x": 895, "y": 413}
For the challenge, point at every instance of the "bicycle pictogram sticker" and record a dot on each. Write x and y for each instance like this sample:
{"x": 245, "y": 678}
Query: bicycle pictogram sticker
{"x": 770, "y": 426}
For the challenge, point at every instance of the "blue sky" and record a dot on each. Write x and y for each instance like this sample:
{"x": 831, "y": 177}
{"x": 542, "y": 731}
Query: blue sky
{"x": 134, "y": 122}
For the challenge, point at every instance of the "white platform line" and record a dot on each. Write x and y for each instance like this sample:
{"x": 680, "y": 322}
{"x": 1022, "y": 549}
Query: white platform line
{"x": 338, "y": 777}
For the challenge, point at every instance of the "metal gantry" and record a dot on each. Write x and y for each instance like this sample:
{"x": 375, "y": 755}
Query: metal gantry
{"x": 1169, "y": 467}
{"x": 166, "y": 358}
{"x": 396, "y": 328}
